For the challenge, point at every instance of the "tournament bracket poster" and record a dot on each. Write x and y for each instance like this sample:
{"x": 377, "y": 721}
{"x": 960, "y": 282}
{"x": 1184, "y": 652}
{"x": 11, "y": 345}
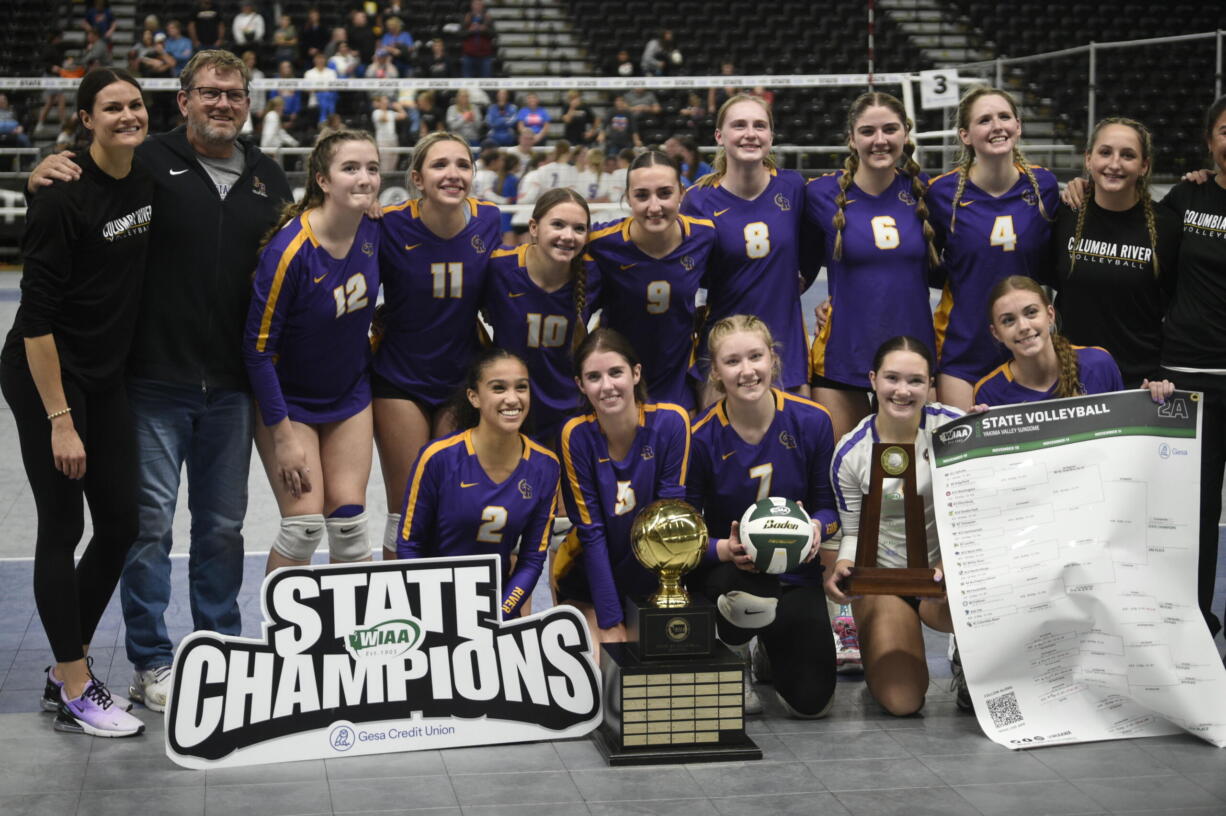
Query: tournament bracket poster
{"x": 1069, "y": 542}
{"x": 378, "y": 657}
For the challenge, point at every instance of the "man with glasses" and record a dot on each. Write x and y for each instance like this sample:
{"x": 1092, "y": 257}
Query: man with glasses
{"x": 215, "y": 197}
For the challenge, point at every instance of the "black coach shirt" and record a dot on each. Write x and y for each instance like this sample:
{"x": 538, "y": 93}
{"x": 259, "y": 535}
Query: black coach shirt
{"x": 1196, "y": 321}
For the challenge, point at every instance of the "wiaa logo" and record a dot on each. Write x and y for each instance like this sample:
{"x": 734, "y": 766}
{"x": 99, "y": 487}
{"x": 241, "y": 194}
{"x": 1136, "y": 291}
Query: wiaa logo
{"x": 959, "y": 434}
{"x": 780, "y": 510}
{"x": 386, "y": 640}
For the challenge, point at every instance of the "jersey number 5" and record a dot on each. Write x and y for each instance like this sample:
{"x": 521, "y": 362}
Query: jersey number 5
{"x": 626, "y": 500}
{"x": 350, "y": 297}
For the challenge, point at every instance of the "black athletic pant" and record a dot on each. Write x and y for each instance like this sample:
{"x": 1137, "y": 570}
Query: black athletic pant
{"x": 799, "y": 642}
{"x": 1212, "y": 467}
{"x": 71, "y": 599}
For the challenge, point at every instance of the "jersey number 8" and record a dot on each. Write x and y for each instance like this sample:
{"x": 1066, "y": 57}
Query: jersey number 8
{"x": 757, "y": 239}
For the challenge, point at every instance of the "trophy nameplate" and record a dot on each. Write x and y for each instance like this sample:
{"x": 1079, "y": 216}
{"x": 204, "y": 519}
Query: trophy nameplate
{"x": 673, "y": 693}
{"x": 916, "y": 579}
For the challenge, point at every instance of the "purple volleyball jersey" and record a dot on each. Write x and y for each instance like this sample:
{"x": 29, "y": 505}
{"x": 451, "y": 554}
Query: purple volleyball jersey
{"x": 1095, "y": 368}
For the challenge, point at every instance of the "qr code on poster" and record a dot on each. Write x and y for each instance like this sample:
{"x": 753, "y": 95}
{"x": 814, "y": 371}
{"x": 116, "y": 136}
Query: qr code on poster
{"x": 1004, "y": 710}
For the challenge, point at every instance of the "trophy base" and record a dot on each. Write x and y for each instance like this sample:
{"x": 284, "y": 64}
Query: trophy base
{"x": 674, "y": 711}
{"x": 687, "y": 632}
{"x": 886, "y": 581}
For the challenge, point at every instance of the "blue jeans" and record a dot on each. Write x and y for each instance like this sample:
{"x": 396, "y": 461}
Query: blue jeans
{"x": 477, "y": 66}
{"x": 210, "y": 431}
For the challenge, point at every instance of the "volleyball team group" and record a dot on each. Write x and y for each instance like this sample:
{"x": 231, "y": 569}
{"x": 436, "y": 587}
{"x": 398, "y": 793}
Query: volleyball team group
{"x": 538, "y": 433}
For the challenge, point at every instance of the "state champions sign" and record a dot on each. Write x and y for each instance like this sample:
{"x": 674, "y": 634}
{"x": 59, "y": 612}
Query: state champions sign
{"x": 381, "y": 657}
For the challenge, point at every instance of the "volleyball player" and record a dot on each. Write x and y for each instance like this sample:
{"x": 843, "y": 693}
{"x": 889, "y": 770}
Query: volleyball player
{"x": 537, "y": 301}
{"x": 1114, "y": 257}
{"x": 754, "y": 443}
{"x": 651, "y": 266}
{"x": 487, "y": 488}
{"x": 878, "y": 249}
{"x": 307, "y": 351}
{"x": 616, "y": 460}
{"x": 62, "y": 374}
{"x": 433, "y": 259}
{"x": 757, "y": 211}
{"x": 891, "y": 639}
{"x": 992, "y": 217}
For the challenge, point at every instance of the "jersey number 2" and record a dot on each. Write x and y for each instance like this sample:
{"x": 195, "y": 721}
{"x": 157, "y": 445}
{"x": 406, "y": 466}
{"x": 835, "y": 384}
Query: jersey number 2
{"x": 493, "y": 518}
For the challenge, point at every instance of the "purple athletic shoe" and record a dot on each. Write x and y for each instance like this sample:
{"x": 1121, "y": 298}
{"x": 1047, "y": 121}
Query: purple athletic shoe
{"x": 95, "y": 713}
{"x": 50, "y": 701}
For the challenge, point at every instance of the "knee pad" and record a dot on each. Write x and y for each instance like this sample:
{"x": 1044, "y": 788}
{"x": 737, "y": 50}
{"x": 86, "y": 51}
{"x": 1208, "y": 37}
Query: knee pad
{"x": 561, "y": 528}
{"x": 347, "y": 538}
{"x": 391, "y": 532}
{"x": 299, "y": 536}
{"x": 802, "y": 715}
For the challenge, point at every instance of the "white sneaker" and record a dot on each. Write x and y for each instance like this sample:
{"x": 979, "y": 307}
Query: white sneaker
{"x": 753, "y": 703}
{"x": 151, "y": 687}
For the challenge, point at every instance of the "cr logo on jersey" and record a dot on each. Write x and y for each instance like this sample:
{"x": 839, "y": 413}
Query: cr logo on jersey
{"x": 368, "y": 249}
{"x": 787, "y": 440}
{"x": 1029, "y": 197}
{"x": 525, "y": 489}
{"x": 478, "y": 244}
{"x": 905, "y": 198}
{"x": 687, "y": 263}
{"x": 647, "y": 453}
{"x": 782, "y": 202}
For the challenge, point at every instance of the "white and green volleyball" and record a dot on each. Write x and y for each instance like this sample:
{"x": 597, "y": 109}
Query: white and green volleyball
{"x": 777, "y": 534}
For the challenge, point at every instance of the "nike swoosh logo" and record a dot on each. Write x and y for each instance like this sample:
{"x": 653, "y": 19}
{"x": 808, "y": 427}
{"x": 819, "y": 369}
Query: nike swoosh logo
{"x": 348, "y": 530}
{"x": 752, "y": 612}
{"x": 730, "y": 453}
{"x": 468, "y": 484}
{"x": 601, "y": 461}
{"x": 178, "y": 172}
{"x": 850, "y": 201}
{"x": 409, "y": 247}
{"x": 516, "y": 294}
{"x": 965, "y": 203}
{"x": 311, "y": 531}
{"x": 624, "y": 267}
{"x": 718, "y": 213}
{"x": 321, "y": 277}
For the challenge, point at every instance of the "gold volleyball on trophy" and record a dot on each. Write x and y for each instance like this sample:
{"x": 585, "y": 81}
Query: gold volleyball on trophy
{"x": 669, "y": 538}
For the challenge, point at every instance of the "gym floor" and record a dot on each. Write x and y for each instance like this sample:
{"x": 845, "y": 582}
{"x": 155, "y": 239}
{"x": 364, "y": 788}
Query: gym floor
{"x": 856, "y": 761}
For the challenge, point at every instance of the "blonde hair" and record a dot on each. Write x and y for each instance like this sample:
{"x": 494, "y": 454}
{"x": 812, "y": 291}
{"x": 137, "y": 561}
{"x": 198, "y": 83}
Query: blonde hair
{"x": 719, "y": 165}
{"x": 1147, "y": 152}
{"x": 732, "y": 324}
{"x": 219, "y": 60}
{"x": 967, "y": 157}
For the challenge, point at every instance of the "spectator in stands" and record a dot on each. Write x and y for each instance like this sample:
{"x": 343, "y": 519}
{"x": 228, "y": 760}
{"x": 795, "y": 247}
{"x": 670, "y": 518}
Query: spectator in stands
{"x": 323, "y": 102}
{"x": 248, "y": 25}
{"x": 52, "y": 59}
{"x": 660, "y": 55}
{"x": 694, "y": 110}
{"x": 361, "y": 36}
{"x": 486, "y": 174}
{"x": 399, "y": 43}
{"x": 580, "y": 125}
{"x": 641, "y": 102}
{"x": 590, "y": 174}
{"x": 507, "y": 185}
{"x": 338, "y": 36}
{"x": 11, "y": 131}
{"x": 95, "y": 51}
{"x": 153, "y": 24}
{"x": 478, "y": 47}
{"x": 206, "y": 28}
{"x": 428, "y": 114}
{"x": 382, "y": 67}
{"x": 718, "y": 96}
{"x": 291, "y": 100}
{"x": 534, "y": 118}
{"x": 100, "y": 19}
{"x": 464, "y": 118}
{"x": 285, "y": 38}
{"x": 259, "y": 99}
{"x": 70, "y": 68}
{"x": 501, "y": 118}
{"x": 177, "y": 45}
{"x": 345, "y": 61}
{"x": 624, "y": 65}
{"x": 149, "y": 58}
{"x": 620, "y": 130}
{"x": 314, "y": 37}
{"x": 383, "y": 119}
{"x": 523, "y": 149}
{"x": 437, "y": 64}
{"x": 557, "y": 171}
{"x": 272, "y": 129}
{"x": 684, "y": 151}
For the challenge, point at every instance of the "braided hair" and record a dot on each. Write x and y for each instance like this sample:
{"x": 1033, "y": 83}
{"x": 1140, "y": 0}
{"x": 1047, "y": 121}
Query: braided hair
{"x": 1068, "y": 382}
{"x": 719, "y": 166}
{"x": 1147, "y": 150}
{"x": 578, "y": 264}
{"x": 911, "y": 168}
{"x": 967, "y": 157}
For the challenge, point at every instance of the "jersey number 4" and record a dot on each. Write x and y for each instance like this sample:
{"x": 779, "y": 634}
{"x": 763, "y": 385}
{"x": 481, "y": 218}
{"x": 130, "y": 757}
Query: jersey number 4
{"x": 1003, "y": 235}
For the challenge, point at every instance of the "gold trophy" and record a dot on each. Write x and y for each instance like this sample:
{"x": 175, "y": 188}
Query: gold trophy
{"x": 673, "y": 693}
{"x": 866, "y": 578}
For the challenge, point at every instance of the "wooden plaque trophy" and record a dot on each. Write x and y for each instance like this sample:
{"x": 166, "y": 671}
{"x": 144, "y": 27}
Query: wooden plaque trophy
{"x": 866, "y": 578}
